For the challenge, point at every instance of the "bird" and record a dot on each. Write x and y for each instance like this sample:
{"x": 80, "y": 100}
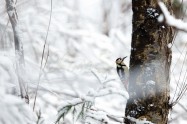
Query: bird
{"x": 122, "y": 71}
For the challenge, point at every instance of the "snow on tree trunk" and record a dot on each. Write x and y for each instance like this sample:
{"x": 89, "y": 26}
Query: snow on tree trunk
{"x": 11, "y": 10}
{"x": 149, "y": 64}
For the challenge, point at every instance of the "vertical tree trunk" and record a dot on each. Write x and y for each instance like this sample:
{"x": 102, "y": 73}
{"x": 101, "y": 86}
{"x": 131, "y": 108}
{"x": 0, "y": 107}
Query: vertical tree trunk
{"x": 11, "y": 10}
{"x": 149, "y": 63}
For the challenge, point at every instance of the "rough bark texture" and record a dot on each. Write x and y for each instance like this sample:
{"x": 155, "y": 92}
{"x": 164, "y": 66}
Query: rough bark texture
{"x": 11, "y": 10}
{"x": 149, "y": 64}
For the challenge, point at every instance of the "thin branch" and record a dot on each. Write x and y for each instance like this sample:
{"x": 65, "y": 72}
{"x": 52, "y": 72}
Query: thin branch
{"x": 43, "y": 55}
{"x": 96, "y": 76}
{"x": 47, "y": 57}
{"x": 182, "y": 106}
{"x": 180, "y": 77}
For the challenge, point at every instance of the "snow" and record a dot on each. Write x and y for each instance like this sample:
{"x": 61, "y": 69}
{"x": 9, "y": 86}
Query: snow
{"x": 170, "y": 20}
{"x": 144, "y": 121}
{"x": 78, "y": 49}
{"x": 169, "y": 45}
{"x": 152, "y": 12}
{"x": 8, "y": 78}
{"x": 150, "y": 82}
{"x": 11, "y": 13}
{"x": 161, "y": 18}
{"x": 15, "y": 111}
{"x": 100, "y": 116}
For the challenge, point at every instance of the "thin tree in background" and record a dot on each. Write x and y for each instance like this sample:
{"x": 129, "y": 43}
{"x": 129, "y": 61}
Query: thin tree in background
{"x": 149, "y": 63}
{"x": 13, "y": 17}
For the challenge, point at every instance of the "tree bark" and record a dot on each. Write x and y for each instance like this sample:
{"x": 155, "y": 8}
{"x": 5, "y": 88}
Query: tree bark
{"x": 149, "y": 64}
{"x": 11, "y": 10}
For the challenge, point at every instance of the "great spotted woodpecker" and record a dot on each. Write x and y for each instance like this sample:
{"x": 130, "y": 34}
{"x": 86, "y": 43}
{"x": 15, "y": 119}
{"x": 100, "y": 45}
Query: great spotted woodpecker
{"x": 123, "y": 71}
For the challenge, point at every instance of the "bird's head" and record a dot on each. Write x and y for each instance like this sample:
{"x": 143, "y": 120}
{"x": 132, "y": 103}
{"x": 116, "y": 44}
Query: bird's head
{"x": 119, "y": 61}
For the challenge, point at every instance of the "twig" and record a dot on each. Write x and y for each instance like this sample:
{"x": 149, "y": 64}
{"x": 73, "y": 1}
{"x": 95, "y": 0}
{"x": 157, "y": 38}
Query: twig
{"x": 96, "y": 76}
{"x": 43, "y": 55}
{"x": 179, "y": 79}
{"x": 46, "y": 57}
{"x": 182, "y": 106}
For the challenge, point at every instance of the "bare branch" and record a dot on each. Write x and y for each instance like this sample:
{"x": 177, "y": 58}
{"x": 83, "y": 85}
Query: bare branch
{"x": 43, "y": 55}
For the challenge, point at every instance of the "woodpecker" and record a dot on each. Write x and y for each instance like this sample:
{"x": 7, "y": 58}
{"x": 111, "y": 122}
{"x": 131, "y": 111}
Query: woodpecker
{"x": 123, "y": 71}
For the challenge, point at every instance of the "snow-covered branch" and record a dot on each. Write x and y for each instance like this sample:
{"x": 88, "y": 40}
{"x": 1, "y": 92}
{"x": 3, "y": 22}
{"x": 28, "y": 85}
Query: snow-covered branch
{"x": 108, "y": 91}
{"x": 170, "y": 20}
{"x": 87, "y": 101}
{"x": 15, "y": 111}
{"x": 132, "y": 120}
{"x": 103, "y": 116}
{"x": 11, "y": 10}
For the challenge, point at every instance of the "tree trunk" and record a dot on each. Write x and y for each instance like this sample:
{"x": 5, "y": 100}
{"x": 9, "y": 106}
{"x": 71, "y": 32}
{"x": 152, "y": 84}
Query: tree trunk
{"x": 11, "y": 10}
{"x": 149, "y": 64}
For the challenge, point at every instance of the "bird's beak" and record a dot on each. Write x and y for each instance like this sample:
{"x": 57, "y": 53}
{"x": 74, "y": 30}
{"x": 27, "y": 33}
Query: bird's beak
{"x": 124, "y": 58}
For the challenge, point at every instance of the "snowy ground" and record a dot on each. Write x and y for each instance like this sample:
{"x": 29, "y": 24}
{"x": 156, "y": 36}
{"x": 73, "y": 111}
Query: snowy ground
{"x": 84, "y": 40}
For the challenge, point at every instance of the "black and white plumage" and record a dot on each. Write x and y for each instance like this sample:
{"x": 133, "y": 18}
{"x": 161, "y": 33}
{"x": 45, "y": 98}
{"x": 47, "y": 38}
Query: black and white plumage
{"x": 123, "y": 71}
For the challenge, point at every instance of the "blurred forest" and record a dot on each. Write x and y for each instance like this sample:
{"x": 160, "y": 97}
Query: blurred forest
{"x": 85, "y": 37}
